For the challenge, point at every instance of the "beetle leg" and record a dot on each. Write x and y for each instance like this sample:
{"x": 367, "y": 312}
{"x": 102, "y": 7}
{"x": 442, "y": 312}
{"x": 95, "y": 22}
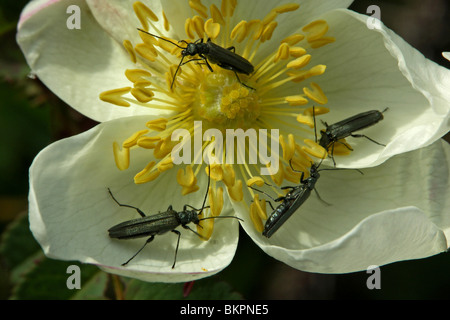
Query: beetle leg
{"x": 148, "y": 240}
{"x": 320, "y": 198}
{"x": 176, "y": 249}
{"x": 364, "y": 136}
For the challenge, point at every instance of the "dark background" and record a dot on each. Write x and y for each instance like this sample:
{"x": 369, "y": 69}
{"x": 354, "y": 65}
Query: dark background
{"x": 31, "y": 117}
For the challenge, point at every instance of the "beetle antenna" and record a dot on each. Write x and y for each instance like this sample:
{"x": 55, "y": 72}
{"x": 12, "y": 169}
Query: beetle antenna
{"x": 154, "y": 35}
{"x": 175, "y": 74}
{"x": 315, "y": 129}
{"x": 221, "y": 217}
{"x": 207, "y": 188}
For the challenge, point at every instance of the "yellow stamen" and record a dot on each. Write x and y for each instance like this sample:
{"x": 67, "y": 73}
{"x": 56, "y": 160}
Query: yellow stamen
{"x": 307, "y": 116}
{"x": 315, "y": 30}
{"x": 212, "y": 29}
{"x": 316, "y": 94}
{"x": 121, "y": 156}
{"x": 227, "y": 7}
{"x": 260, "y": 206}
{"x": 296, "y": 52}
{"x": 146, "y": 143}
{"x": 143, "y": 95}
{"x": 188, "y": 28}
{"x": 268, "y": 31}
{"x": 165, "y": 164}
{"x": 136, "y": 75}
{"x": 258, "y": 213}
{"x": 296, "y": 101}
{"x": 299, "y": 62}
{"x": 216, "y": 172}
{"x": 314, "y": 149}
{"x": 255, "y": 180}
{"x": 300, "y": 76}
{"x": 282, "y": 53}
{"x": 191, "y": 189}
{"x": 216, "y": 15}
{"x": 132, "y": 141}
{"x": 146, "y": 51}
{"x": 286, "y": 8}
{"x": 144, "y": 13}
{"x": 146, "y": 175}
{"x": 115, "y": 96}
{"x": 235, "y": 191}
{"x": 186, "y": 177}
{"x": 288, "y": 148}
{"x": 166, "y": 22}
{"x": 157, "y": 124}
{"x": 216, "y": 201}
{"x": 240, "y": 31}
{"x": 199, "y": 7}
{"x": 293, "y": 39}
{"x": 229, "y": 176}
{"x": 129, "y": 47}
{"x": 277, "y": 177}
{"x": 294, "y": 176}
{"x": 269, "y": 17}
{"x": 198, "y": 25}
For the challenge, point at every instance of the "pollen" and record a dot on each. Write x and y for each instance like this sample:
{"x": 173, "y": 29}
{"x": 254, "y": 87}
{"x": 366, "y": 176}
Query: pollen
{"x": 218, "y": 74}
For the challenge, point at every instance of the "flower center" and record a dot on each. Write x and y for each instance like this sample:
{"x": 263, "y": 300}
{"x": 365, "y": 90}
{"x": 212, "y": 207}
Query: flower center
{"x": 217, "y": 77}
{"x": 225, "y": 103}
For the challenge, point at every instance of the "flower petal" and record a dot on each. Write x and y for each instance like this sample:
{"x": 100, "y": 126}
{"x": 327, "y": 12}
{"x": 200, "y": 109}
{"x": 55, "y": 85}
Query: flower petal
{"x": 375, "y": 69}
{"x": 71, "y": 210}
{"x": 397, "y": 211}
{"x": 77, "y": 65}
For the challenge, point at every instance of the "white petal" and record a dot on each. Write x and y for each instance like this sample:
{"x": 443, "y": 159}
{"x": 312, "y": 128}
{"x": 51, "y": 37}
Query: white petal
{"x": 396, "y": 211}
{"x": 382, "y": 238}
{"x": 446, "y": 55}
{"x": 71, "y": 210}
{"x": 374, "y": 69}
{"x": 77, "y": 65}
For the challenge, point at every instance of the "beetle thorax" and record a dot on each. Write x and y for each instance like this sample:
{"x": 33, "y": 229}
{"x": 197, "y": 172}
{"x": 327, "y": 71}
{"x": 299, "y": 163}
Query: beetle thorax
{"x": 188, "y": 216}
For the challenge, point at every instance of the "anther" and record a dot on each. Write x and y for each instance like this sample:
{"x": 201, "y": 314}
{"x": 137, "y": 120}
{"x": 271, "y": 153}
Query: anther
{"x": 132, "y": 141}
{"x": 144, "y": 13}
{"x": 199, "y": 7}
{"x": 157, "y": 124}
{"x": 235, "y": 191}
{"x": 146, "y": 175}
{"x": 255, "y": 181}
{"x": 314, "y": 149}
{"x": 121, "y": 156}
{"x": 293, "y": 39}
{"x": 286, "y": 8}
{"x": 229, "y": 176}
{"x": 212, "y": 29}
{"x": 142, "y": 94}
{"x": 227, "y": 7}
{"x": 216, "y": 15}
{"x": 299, "y": 62}
{"x": 135, "y": 75}
{"x": 296, "y": 101}
{"x": 115, "y": 96}
{"x": 316, "y": 94}
{"x": 146, "y": 51}
{"x": 129, "y": 47}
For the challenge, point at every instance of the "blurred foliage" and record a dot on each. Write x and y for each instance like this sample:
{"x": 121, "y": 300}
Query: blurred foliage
{"x": 31, "y": 117}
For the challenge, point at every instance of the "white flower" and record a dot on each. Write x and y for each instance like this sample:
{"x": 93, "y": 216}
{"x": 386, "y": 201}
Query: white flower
{"x": 315, "y": 54}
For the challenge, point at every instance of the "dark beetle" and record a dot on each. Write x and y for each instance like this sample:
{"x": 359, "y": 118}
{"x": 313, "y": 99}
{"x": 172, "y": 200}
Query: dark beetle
{"x": 291, "y": 201}
{"x": 224, "y": 58}
{"x": 158, "y": 224}
{"x": 345, "y": 128}
{"x": 294, "y": 199}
